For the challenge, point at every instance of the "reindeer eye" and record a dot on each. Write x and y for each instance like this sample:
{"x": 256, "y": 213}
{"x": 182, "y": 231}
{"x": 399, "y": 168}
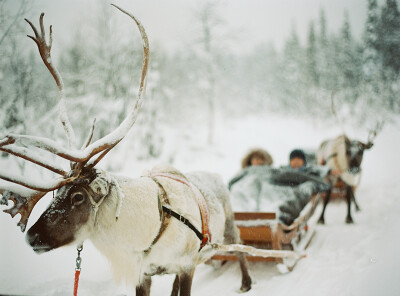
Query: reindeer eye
{"x": 77, "y": 198}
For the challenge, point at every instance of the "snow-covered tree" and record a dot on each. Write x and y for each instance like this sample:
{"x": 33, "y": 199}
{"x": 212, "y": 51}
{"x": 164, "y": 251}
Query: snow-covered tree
{"x": 76, "y": 65}
{"x": 371, "y": 56}
{"x": 349, "y": 61}
{"x": 311, "y": 55}
{"x": 208, "y": 21}
{"x": 390, "y": 36}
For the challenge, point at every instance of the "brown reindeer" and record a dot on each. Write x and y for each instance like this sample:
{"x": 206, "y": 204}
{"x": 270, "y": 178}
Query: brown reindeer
{"x": 346, "y": 156}
{"x": 131, "y": 221}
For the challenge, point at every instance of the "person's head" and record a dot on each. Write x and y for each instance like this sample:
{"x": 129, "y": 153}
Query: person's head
{"x": 257, "y": 157}
{"x": 297, "y": 159}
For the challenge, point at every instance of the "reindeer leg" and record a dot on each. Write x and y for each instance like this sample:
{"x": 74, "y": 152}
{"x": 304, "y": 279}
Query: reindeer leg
{"x": 143, "y": 289}
{"x": 231, "y": 236}
{"x": 354, "y": 200}
{"x": 185, "y": 283}
{"x": 246, "y": 279}
{"x": 175, "y": 287}
{"x": 321, "y": 219}
{"x": 349, "y": 197}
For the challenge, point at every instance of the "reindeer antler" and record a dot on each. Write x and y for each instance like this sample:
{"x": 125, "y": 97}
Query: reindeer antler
{"x": 374, "y": 132}
{"x": 78, "y": 158}
{"x": 22, "y": 205}
{"x": 44, "y": 50}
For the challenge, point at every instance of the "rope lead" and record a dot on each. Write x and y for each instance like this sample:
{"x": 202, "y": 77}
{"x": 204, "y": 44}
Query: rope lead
{"x": 77, "y": 269}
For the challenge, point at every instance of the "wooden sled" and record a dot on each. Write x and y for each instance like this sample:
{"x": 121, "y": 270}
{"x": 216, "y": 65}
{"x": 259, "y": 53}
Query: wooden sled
{"x": 262, "y": 230}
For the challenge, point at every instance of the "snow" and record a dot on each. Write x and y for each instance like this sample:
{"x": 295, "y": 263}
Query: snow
{"x": 359, "y": 259}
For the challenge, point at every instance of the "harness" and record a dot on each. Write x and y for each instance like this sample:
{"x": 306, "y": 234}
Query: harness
{"x": 325, "y": 160}
{"x": 163, "y": 206}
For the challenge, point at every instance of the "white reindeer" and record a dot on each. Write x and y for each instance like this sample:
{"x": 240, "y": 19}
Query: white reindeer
{"x": 344, "y": 155}
{"x": 133, "y": 222}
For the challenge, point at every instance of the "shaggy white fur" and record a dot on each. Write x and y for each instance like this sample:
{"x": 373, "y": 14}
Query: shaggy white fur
{"x": 124, "y": 241}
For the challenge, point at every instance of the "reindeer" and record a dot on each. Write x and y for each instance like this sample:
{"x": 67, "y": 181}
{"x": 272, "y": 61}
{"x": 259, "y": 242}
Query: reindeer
{"x": 131, "y": 221}
{"x": 344, "y": 155}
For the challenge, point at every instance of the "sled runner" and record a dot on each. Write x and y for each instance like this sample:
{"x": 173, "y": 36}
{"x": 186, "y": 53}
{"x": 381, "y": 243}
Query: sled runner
{"x": 262, "y": 230}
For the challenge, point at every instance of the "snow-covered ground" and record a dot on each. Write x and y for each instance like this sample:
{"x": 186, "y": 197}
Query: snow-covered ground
{"x": 359, "y": 259}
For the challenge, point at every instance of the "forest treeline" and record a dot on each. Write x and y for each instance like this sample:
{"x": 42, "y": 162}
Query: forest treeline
{"x": 197, "y": 83}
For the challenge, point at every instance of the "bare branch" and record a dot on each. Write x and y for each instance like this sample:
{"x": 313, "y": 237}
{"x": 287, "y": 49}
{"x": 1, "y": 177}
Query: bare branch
{"x": 20, "y": 12}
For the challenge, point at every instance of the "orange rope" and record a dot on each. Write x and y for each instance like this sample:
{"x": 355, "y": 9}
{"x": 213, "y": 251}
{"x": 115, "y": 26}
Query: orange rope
{"x": 76, "y": 282}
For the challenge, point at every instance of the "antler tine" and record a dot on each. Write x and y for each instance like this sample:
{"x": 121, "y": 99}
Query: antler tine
{"x": 90, "y": 136}
{"x": 36, "y": 185}
{"x": 146, "y": 49}
{"x": 45, "y": 53}
{"x": 100, "y": 157}
{"x": 111, "y": 140}
{"x": 374, "y": 132}
{"x": 22, "y": 205}
{"x": 51, "y": 146}
{"x": 32, "y": 157}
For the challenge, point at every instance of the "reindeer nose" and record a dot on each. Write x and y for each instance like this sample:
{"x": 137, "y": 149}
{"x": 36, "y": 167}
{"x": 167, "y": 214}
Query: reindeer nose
{"x": 32, "y": 238}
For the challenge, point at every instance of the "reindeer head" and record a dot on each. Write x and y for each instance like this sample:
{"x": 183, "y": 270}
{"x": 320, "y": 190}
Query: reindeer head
{"x": 355, "y": 149}
{"x": 72, "y": 214}
{"x": 79, "y": 190}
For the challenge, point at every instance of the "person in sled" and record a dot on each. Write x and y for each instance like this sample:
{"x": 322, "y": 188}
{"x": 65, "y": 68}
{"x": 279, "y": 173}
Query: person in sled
{"x": 285, "y": 190}
{"x": 298, "y": 164}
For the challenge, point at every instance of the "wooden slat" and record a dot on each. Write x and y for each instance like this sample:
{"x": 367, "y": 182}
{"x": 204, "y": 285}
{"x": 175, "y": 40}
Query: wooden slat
{"x": 255, "y": 234}
{"x": 249, "y": 258}
{"x": 243, "y": 216}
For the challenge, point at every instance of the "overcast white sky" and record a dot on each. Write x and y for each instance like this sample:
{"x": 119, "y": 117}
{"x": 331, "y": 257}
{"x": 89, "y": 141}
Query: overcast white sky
{"x": 171, "y": 22}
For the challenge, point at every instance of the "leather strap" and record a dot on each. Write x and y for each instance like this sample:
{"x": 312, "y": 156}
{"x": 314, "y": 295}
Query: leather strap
{"x": 205, "y": 235}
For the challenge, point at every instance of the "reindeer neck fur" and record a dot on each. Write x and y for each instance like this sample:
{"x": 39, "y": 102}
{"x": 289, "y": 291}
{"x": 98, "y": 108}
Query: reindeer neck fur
{"x": 123, "y": 241}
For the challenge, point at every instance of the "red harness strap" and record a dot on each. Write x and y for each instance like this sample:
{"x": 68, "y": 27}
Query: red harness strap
{"x": 205, "y": 217}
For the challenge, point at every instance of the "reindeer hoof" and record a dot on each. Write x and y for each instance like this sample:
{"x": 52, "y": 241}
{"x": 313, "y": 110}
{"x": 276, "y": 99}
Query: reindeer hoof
{"x": 244, "y": 289}
{"x": 321, "y": 221}
{"x": 349, "y": 220}
{"x": 246, "y": 285}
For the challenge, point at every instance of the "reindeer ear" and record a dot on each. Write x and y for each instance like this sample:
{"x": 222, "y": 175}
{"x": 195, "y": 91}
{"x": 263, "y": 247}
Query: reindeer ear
{"x": 100, "y": 186}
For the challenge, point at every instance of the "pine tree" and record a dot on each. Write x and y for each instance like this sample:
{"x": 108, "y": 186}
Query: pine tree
{"x": 311, "y": 55}
{"x": 322, "y": 26}
{"x": 75, "y": 65}
{"x": 292, "y": 82}
{"x": 390, "y": 36}
{"x": 371, "y": 55}
{"x": 325, "y": 55}
{"x": 349, "y": 61}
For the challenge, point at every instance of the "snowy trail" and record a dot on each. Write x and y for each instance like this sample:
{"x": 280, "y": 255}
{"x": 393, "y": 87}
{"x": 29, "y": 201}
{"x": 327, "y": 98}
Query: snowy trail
{"x": 359, "y": 259}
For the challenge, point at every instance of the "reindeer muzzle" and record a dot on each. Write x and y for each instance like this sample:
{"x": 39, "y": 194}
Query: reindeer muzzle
{"x": 34, "y": 240}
